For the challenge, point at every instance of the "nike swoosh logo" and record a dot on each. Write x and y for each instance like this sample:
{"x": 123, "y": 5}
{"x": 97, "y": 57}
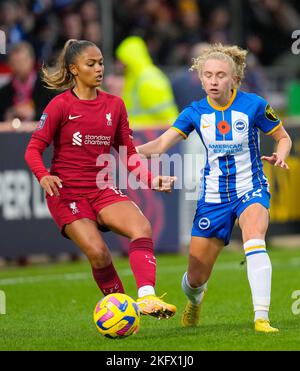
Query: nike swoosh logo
{"x": 205, "y": 126}
{"x": 150, "y": 257}
{"x": 73, "y": 117}
{"x": 150, "y": 261}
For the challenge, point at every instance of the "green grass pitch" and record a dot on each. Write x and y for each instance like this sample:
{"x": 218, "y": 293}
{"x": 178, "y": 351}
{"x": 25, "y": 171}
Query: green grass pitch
{"x": 51, "y": 307}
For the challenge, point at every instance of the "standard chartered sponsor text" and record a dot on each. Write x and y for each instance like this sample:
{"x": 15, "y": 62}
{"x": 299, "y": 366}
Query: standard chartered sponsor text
{"x": 99, "y": 140}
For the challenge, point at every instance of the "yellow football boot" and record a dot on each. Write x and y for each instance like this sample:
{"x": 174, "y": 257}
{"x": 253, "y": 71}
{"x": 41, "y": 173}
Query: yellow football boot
{"x": 154, "y": 306}
{"x": 263, "y": 325}
{"x": 191, "y": 315}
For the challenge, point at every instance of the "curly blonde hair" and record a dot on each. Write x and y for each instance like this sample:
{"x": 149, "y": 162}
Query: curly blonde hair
{"x": 233, "y": 54}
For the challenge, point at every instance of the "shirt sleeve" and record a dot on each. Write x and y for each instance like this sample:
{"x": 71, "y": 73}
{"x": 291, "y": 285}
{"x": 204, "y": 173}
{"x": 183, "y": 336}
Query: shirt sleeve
{"x": 49, "y": 121}
{"x": 266, "y": 119}
{"x": 34, "y": 157}
{"x": 184, "y": 123}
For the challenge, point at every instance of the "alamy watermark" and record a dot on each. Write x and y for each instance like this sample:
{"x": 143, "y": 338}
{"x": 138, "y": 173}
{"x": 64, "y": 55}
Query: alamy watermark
{"x": 2, "y": 42}
{"x": 296, "y": 304}
{"x": 186, "y": 168}
{"x": 296, "y": 44}
{"x": 2, "y": 302}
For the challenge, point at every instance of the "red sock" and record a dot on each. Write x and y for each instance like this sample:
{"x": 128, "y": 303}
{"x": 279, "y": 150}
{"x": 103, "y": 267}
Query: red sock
{"x": 142, "y": 261}
{"x": 108, "y": 280}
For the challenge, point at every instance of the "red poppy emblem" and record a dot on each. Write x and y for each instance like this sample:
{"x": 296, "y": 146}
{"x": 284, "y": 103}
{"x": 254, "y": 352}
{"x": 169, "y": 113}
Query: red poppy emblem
{"x": 224, "y": 127}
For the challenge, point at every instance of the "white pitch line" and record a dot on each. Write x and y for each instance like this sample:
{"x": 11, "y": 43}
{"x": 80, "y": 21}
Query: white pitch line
{"x": 10, "y": 281}
{"x": 77, "y": 276}
{"x": 43, "y": 278}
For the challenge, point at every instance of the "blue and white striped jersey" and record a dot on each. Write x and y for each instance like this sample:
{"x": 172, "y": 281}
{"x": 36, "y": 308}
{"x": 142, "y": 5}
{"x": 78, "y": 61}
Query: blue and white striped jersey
{"x": 231, "y": 139}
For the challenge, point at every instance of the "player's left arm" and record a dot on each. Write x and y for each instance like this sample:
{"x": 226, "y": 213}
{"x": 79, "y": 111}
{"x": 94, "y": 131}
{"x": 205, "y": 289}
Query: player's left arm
{"x": 284, "y": 145}
{"x": 269, "y": 123}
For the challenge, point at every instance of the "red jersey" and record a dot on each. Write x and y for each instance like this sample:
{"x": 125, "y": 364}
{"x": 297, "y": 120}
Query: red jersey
{"x": 81, "y": 130}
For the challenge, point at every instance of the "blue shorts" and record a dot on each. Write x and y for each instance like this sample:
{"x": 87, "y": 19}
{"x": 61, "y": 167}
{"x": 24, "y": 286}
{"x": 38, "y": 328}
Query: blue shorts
{"x": 217, "y": 220}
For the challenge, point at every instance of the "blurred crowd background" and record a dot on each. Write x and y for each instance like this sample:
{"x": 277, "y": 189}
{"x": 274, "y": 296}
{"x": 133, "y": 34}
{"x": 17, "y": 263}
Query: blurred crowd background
{"x": 170, "y": 27}
{"x": 173, "y": 30}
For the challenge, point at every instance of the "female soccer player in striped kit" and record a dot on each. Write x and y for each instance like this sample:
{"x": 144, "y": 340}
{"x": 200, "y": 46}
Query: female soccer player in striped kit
{"x": 84, "y": 123}
{"x": 233, "y": 183}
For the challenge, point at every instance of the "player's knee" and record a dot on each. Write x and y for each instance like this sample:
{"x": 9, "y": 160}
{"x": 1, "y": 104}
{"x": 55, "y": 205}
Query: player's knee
{"x": 146, "y": 228}
{"x": 99, "y": 258}
{"x": 254, "y": 233}
{"x": 254, "y": 230}
{"x": 143, "y": 229}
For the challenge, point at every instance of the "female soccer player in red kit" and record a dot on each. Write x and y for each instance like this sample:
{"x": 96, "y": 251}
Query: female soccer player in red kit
{"x": 83, "y": 123}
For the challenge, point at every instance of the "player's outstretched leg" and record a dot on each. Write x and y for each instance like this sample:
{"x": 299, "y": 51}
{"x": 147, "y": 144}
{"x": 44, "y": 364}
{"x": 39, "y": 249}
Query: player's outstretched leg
{"x": 191, "y": 313}
{"x": 127, "y": 219}
{"x": 143, "y": 265}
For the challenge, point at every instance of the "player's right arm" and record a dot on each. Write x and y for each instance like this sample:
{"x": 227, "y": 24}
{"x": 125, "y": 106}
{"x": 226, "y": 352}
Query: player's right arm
{"x": 179, "y": 131}
{"x": 40, "y": 140}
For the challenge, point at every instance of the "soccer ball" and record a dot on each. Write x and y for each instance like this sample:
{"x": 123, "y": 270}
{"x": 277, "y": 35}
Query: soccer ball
{"x": 117, "y": 316}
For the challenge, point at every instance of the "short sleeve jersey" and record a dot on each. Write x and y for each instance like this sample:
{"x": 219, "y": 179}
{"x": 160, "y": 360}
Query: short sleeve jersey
{"x": 81, "y": 131}
{"x": 230, "y": 136}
